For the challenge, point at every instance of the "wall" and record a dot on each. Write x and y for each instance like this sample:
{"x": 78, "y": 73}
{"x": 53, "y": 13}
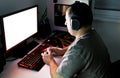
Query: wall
{"x": 107, "y": 23}
{"x": 7, "y": 6}
{"x": 108, "y": 4}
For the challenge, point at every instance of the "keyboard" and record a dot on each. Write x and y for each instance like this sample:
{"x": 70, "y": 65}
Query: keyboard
{"x": 33, "y": 60}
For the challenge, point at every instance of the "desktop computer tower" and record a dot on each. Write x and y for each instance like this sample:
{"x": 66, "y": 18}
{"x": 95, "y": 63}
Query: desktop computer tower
{"x": 2, "y": 52}
{"x": 2, "y": 62}
{"x": 44, "y": 28}
{"x": 2, "y": 57}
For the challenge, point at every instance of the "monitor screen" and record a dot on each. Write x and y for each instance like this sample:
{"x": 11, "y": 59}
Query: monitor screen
{"x": 19, "y": 26}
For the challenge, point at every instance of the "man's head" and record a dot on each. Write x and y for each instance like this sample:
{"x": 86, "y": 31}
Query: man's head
{"x": 78, "y": 15}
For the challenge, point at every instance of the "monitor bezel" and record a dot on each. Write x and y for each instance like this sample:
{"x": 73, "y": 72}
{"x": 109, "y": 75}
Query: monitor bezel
{"x": 12, "y": 50}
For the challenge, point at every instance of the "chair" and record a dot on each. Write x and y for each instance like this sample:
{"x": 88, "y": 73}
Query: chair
{"x": 115, "y": 69}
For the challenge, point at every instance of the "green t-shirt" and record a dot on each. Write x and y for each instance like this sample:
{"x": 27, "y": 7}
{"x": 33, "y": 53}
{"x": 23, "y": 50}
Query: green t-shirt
{"x": 86, "y": 57}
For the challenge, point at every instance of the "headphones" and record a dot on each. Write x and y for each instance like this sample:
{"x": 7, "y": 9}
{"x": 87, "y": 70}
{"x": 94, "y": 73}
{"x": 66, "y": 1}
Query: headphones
{"x": 80, "y": 14}
{"x": 75, "y": 23}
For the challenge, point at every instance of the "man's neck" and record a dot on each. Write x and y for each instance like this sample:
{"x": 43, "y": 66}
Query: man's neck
{"x": 82, "y": 31}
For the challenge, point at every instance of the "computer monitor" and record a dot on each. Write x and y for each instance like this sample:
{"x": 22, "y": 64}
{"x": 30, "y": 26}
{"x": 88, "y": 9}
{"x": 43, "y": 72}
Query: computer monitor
{"x": 19, "y": 26}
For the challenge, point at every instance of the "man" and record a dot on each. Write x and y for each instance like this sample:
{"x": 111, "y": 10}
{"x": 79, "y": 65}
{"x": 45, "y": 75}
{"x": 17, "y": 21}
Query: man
{"x": 87, "y": 56}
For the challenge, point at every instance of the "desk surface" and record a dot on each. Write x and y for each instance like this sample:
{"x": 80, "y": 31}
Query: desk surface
{"x": 11, "y": 70}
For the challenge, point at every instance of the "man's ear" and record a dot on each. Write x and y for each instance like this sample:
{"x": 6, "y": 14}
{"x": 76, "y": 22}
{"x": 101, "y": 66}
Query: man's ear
{"x": 75, "y": 24}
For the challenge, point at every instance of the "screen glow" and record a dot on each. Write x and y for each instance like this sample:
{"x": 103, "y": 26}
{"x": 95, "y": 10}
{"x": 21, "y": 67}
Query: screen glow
{"x": 20, "y": 26}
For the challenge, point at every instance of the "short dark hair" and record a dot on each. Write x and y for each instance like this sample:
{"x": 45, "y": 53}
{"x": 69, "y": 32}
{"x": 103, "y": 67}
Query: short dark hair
{"x": 82, "y": 12}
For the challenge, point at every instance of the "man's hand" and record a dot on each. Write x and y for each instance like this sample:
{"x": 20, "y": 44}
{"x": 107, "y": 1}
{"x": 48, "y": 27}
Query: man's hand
{"x": 55, "y": 51}
{"x": 47, "y": 57}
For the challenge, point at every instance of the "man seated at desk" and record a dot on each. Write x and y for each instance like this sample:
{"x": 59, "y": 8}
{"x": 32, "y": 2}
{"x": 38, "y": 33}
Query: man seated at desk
{"x": 87, "y": 56}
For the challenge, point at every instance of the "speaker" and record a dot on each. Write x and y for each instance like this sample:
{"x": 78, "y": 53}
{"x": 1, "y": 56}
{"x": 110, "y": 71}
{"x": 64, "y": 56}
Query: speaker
{"x": 75, "y": 23}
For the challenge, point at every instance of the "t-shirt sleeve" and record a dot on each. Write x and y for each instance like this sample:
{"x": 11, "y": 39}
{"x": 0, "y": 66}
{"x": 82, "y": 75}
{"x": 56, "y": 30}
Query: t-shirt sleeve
{"x": 72, "y": 62}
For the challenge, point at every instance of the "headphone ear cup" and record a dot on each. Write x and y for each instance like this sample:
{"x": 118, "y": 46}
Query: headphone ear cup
{"x": 75, "y": 24}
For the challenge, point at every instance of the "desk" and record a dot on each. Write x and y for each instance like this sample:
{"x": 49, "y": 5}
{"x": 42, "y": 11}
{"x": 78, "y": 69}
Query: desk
{"x": 11, "y": 70}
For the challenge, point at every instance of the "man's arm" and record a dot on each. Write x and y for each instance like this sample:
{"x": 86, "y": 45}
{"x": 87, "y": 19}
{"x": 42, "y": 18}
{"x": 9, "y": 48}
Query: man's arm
{"x": 53, "y": 70}
{"x": 48, "y": 59}
{"x": 57, "y": 51}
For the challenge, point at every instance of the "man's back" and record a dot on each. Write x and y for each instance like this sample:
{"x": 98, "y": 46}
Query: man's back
{"x": 96, "y": 57}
